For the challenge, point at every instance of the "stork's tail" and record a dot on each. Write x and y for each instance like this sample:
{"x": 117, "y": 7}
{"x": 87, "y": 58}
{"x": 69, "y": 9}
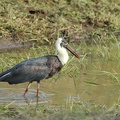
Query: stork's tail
{"x": 4, "y": 75}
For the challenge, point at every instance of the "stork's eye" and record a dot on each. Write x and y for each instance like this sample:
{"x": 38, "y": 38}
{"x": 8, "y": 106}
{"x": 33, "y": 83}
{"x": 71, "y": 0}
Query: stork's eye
{"x": 63, "y": 43}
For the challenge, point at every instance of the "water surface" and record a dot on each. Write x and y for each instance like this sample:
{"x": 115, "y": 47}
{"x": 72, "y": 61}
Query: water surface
{"x": 92, "y": 79}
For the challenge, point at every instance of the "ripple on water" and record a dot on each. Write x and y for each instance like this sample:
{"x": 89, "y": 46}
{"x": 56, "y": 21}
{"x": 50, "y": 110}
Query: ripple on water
{"x": 9, "y": 95}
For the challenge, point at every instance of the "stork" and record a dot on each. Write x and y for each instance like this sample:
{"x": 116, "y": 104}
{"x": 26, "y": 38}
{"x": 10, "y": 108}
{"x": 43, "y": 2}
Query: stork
{"x": 37, "y": 69}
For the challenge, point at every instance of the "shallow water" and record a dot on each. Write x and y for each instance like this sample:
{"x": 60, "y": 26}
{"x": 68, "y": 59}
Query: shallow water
{"x": 93, "y": 80}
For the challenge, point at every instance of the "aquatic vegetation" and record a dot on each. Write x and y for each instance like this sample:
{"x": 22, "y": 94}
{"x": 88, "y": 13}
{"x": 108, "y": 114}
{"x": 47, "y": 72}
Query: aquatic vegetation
{"x": 73, "y": 109}
{"x": 85, "y": 89}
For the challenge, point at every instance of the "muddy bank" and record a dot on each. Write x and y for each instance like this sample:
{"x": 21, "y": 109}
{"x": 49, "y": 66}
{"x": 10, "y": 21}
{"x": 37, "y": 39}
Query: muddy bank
{"x": 7, "y": 44}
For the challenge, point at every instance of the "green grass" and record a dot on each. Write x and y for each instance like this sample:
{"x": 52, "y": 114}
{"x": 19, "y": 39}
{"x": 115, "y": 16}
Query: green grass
{"x": 93, "y": 22}
{"x": 73, "y": 110}
{"x": 43, "y": 21}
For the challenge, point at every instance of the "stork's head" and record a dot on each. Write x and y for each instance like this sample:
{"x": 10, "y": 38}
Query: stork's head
{"x": 61, "y": 45}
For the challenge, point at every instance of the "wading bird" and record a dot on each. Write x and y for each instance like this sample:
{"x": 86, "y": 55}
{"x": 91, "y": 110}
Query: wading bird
{"x": 37, "y": 69}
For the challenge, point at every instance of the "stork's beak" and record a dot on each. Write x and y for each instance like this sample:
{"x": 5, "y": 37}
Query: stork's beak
{"x": 72, "y": 51}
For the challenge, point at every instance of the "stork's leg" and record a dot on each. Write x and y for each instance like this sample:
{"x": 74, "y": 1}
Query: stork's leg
{"x": 28, "y": 86}
{"x": 38, "y": 88}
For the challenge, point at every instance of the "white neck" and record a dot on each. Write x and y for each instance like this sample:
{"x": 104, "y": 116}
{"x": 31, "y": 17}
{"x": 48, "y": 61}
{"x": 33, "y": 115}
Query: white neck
{"x": 63, "y": 55}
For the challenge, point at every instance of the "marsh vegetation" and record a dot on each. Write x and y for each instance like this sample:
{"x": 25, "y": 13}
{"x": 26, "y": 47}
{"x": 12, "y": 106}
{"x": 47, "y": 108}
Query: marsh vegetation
{"x": 85, "y": 89}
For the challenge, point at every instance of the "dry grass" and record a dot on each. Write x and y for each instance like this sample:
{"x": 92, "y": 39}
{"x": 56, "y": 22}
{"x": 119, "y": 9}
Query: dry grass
{"x": 43, "y": 21}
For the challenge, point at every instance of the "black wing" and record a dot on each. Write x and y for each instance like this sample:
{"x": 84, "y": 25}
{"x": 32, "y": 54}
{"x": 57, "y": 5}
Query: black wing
{"x": 34, "y": 69}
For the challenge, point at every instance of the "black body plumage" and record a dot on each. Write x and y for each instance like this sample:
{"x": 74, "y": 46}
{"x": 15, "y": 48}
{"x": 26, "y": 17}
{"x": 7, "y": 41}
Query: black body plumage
{"x": 34, "y": 69}
{"x": 37, "y": 69}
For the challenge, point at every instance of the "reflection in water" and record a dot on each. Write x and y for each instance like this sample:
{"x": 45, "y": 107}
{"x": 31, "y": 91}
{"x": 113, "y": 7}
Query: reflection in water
{"x": 8, "y": 95}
